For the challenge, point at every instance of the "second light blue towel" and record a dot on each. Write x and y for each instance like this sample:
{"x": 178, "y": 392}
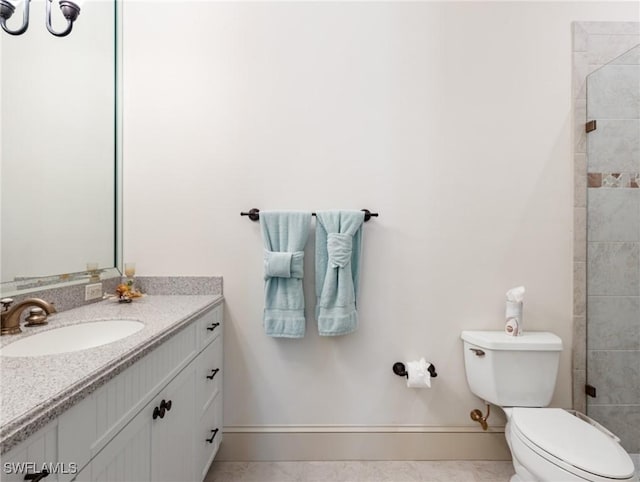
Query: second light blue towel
{"x": 338, "y": 246}
{"x": 284, "y": 236}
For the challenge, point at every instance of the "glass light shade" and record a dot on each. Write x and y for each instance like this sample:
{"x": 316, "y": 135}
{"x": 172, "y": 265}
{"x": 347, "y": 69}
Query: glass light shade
{"x": 70, "y": 11}
{"x": 7, "y": 9}
{"x": 77, "y": 3}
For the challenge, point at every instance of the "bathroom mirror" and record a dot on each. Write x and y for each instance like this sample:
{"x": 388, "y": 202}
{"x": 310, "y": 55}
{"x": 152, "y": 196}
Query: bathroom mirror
{"x": 58, "y": 152}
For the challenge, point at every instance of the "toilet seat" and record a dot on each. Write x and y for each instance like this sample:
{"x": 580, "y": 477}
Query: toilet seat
{"x": 571, "y": 443}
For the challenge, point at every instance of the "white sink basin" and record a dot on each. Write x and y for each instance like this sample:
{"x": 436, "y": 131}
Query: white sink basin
{"x": 72, "y": 338}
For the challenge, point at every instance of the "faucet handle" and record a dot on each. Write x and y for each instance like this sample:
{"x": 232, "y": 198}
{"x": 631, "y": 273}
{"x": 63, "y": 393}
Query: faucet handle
{"x": 6, "y": 303}
{"x": 37, "y": 316}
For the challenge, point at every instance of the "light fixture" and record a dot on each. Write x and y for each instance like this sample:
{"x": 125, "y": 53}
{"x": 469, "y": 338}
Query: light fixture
{"x": 70, "y": 10}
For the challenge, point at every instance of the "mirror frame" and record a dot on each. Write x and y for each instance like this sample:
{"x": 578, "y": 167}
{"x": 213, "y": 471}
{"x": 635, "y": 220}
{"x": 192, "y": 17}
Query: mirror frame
{"x": 118, "y": 5}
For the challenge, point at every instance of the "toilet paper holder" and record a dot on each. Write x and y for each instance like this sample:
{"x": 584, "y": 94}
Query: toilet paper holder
{"x": 400, "y": 370}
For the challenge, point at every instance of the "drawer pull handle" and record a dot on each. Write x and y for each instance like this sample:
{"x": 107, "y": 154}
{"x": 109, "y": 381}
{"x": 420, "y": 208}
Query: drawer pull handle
{"x": 210, "y": 440}
{"x": 213, "y": 327}
{"x": 37, "y": 476}
{"x": 213, "y": 373}
{"x": 165, "y": 405}
{"x": 158, "y": 412}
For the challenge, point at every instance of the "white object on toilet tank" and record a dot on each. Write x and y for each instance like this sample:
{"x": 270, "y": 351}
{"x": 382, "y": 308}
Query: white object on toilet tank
{"x": 512, "y": 371}
{"x": 512, "y": 328}
{"x": 513, "y": 311}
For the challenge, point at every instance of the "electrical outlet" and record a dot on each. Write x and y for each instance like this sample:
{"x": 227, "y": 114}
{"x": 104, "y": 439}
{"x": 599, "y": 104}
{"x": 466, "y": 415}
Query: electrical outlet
{"x": 93, "y": 291}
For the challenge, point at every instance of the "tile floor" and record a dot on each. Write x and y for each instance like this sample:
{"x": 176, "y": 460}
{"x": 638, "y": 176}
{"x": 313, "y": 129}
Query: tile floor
{"x": 361, "y": 471}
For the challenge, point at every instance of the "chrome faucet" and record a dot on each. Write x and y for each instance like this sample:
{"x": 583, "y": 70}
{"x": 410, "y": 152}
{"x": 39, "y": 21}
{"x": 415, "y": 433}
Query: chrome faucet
{"x": 10, "y": 315}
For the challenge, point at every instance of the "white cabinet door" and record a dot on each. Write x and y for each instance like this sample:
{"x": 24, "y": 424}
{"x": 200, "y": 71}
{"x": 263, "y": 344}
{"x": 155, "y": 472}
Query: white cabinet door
{"x": 127, "y": 458}
{"x": 38, "y": 452}
{"x": 157, "y": 445}
{"x": 172, "y": 435}
{"x": 76, "y": 435}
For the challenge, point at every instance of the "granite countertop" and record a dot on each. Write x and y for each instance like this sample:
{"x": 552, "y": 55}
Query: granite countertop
{"x": 35, "y": 390}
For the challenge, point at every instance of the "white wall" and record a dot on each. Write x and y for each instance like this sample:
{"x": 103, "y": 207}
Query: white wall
{"x": 452, "y": 120}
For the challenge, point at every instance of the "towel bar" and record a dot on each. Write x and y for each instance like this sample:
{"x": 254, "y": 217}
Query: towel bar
{"x": 400, "y": 370}
{"x": 254, "y": 214}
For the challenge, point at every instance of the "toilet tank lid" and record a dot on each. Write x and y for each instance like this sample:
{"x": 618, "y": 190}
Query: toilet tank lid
{"x": 528, "y": 341}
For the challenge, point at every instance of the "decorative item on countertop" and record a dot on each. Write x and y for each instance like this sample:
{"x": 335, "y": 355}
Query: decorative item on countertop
{"x": 130, "y": 273}
{"x": 513, "y": 311}
{"x": 126, "y": 292}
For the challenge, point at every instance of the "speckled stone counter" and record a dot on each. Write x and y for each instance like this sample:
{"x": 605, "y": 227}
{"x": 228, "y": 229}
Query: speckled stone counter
{"x": 36, "y": 390}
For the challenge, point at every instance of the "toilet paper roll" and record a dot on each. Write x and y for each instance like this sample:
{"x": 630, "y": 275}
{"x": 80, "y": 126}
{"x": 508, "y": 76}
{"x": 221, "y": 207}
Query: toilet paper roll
{"x": 418, "y": 375}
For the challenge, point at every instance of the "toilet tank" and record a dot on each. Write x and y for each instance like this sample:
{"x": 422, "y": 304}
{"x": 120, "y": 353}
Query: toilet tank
{"x": 512, "y": 371}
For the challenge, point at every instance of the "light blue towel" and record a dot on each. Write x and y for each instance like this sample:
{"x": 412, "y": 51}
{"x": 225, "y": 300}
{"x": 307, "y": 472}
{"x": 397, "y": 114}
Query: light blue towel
{"x": 338, "y": 244}
{"x": 284, "y": 235}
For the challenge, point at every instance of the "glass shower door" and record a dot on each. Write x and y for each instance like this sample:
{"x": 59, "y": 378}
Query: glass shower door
{"x": 613, "y": 246}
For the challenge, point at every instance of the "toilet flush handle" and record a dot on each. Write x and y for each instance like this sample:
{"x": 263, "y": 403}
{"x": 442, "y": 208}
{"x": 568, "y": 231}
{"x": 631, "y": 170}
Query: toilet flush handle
{"x": 477, "y": 351}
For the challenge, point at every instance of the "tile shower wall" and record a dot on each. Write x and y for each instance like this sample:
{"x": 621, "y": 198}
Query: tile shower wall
{"x": 613, "y": 245}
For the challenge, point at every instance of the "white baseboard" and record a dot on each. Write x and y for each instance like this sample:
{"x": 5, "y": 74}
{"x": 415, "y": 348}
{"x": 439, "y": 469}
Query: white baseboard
{"x": 296, "y": 443}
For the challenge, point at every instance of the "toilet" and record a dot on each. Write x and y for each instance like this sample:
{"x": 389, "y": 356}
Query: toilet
{"x": 518, "y": 374}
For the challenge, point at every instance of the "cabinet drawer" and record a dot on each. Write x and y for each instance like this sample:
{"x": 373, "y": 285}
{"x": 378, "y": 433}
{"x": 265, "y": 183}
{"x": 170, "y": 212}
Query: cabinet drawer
{"x": 209, "y": 374}
{"x": 210, "y": 326}
{"x": 206, "y": 446}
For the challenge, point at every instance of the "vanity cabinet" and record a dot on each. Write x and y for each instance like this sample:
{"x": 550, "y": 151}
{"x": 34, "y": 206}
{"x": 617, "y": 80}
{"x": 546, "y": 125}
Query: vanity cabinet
{"x": 157, "y": 444}
{"x": 160, "y": 419}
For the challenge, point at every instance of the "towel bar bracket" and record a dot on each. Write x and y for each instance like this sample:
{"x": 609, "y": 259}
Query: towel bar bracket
{"x": 254, "y": 214}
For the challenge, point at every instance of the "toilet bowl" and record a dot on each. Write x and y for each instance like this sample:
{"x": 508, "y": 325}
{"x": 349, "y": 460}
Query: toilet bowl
{"x": 557, "y": 445}
{"x": 518, "y": 374}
